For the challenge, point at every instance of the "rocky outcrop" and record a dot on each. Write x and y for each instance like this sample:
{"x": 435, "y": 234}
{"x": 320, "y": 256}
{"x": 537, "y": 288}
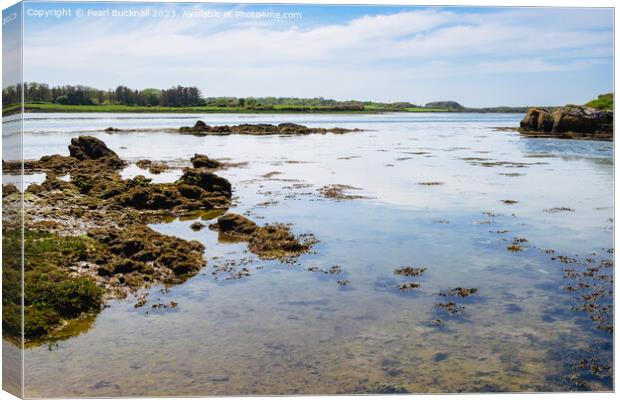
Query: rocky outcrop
{"x": 582, "y": 119}
{"x": 202, "y": 129}
{"x": 85, "y": 152}
{"x": 91, "y": 148}
{"x": 571, "y": 122}
{"x": 100, "y": 222}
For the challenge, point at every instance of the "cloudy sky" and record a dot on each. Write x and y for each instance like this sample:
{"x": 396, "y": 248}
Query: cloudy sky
{"x": 476, "y": 56}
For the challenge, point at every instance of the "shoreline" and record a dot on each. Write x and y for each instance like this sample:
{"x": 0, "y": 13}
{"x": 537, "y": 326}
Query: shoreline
{"x": 51, "y": 108}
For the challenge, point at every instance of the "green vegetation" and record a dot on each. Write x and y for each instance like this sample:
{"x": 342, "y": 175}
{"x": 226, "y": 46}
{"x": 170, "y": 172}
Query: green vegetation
{"x": 40, "y": 97}
{"x": 448, "y": 104}
{"x": 52, "y": 295}
{"x": 118, "y": 108}
{"x": 603, "y": 102}
{"x": 177, "y": 96}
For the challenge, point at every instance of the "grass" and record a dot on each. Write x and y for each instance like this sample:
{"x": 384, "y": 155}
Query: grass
{"x": 117, "y": 108}
{"x": 603, "y": 102}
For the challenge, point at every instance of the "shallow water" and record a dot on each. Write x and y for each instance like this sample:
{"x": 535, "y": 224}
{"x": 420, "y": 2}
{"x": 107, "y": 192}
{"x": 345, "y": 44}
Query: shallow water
{"x": 285, "y": 330}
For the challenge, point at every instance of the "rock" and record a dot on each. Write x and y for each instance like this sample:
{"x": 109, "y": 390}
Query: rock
{"x": 152, "y": 166}
{"x": 569, "y": 122}
{"x": 235, "y": 224}
{"x": 203, "y": 161}
{"x": 410, "y": 271}
{"x": 200, "y": 125}
{"x": 287, "y": 128}
{"x": 276, "y": 241}
{"x": 144, "y": 255}
{"x": 537, "y": 119}
{"x": 273, "y": 241}
{"x": 9, "y": 189}
{"x": 207, "y": 180}
{"x": 581, "y": 119}
{"x": 196, "y": 226}
{"x": 459, "y": 292}
{"x": 90, "y": 148}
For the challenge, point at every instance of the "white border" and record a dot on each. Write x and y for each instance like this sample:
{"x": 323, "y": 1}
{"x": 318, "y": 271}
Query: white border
{"x": 484, "y": 3}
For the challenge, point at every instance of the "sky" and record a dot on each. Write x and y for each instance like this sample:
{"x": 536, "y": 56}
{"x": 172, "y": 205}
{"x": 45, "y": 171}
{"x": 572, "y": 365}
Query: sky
{"x": 476, "y": 56}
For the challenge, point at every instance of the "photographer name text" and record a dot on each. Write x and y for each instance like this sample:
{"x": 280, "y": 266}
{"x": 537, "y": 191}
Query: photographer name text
{"x": 156, "y": 13}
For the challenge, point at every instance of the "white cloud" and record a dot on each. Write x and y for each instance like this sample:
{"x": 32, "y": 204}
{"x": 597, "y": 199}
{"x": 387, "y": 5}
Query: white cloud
{"x": 376, "y": 52}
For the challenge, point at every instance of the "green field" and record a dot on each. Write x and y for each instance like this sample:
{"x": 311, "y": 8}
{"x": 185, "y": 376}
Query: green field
{"x": 285, "y": 109}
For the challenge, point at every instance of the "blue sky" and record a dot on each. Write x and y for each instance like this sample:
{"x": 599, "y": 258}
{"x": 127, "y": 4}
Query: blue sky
{"x": 476, "y": 56}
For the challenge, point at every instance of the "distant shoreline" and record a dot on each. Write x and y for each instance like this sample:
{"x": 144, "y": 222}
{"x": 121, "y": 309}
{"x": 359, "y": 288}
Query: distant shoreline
{"x": 117, "y": 108}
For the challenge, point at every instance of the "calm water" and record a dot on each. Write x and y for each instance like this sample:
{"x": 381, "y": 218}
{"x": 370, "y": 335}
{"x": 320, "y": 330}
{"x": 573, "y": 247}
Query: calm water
{"x": 285, "y": 330}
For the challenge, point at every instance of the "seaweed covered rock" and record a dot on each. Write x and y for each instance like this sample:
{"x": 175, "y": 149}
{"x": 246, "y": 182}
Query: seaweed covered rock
{"x": 139, "y": 256}
{"x": 207, "y": 181}
{"x": 139, "y": 193}
{"x": 286, "y": 128}
{"x": 276, "y": 241}
{"x": 88, "y": 239}
{"x": 88, "y": 147}
{"x": 203, "y": 161}
{"x": 152, "y": 166}
{"x": 235, "y": 225}
{"x": 9, "y": 189}
{"x": 55, "y": 164}
{"x": 272, "y": 241}
{"x": 87, "y": 154}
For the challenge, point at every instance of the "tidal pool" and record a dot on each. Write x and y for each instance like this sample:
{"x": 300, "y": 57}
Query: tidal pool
{"x": 528, "y": 222}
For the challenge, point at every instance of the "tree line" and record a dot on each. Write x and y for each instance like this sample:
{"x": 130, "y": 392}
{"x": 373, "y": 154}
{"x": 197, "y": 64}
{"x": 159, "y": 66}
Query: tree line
{"x": 178, "y": 96}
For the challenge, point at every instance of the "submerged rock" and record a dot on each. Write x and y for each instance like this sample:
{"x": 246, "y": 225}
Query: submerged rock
{"x": 272, "y": 241}
{"x": 337, "y": 192}
{"x": 459, "y": 292}
{"x": 410, "y": 271}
